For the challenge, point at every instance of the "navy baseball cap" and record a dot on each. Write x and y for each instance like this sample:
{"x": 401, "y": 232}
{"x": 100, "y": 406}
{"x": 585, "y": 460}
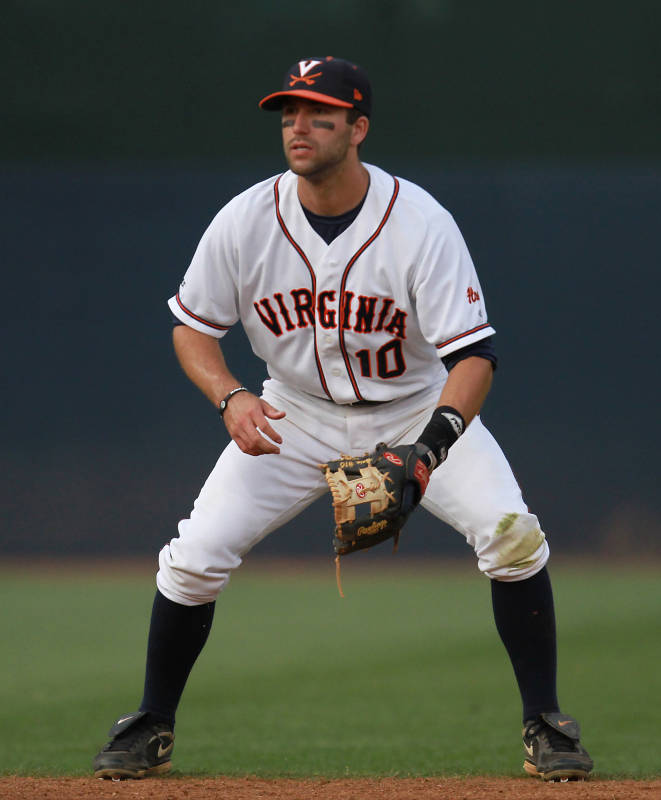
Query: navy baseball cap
{"x": 329, "y": 80}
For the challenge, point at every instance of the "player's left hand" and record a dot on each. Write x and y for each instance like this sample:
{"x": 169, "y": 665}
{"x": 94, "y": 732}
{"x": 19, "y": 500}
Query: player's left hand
{"x": 247, "y": 422}
{"x": 374, "y": 495}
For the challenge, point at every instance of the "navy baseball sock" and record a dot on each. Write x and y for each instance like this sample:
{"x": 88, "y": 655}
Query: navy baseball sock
{"x": 525, "y": 619}
{"x": 177, "y": 635}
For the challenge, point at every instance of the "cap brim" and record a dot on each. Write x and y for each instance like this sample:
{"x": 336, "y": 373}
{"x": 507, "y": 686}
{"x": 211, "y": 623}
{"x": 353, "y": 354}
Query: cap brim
{"x": 273, "y": 102}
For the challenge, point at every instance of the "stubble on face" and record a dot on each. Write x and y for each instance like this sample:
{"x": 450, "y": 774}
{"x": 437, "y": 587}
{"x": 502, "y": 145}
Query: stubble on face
{"x": 325, "y": 156}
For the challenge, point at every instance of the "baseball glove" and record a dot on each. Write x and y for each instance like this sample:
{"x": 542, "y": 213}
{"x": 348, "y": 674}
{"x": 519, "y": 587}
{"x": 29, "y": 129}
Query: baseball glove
{"x": 374, "y": 494}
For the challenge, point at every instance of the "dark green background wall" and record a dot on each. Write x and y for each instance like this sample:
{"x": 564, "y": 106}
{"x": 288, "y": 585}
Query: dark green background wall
{"x": 171, "y": 80}
{"x": 126, "y": 126}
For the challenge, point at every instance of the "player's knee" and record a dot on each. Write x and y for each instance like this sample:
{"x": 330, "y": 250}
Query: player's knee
{"x": 190, "y": 575}
{"x": 517, "y": 549}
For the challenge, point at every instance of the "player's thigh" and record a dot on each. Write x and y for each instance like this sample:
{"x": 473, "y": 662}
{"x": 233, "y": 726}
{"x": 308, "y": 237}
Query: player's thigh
{"x": 243, "y": 499}
{"x": 476, "y": 492}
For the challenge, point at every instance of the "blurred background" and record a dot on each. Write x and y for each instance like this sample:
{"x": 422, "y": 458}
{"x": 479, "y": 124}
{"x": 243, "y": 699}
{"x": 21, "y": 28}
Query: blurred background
{"x": 126, "y": 126}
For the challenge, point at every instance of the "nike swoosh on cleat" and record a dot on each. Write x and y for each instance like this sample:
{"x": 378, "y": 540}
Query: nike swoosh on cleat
{"x": 528, "y": 749}
{"x": 164, "y": 751}
{"x": 564, "y": 722}
{"x": 123, "y": 719}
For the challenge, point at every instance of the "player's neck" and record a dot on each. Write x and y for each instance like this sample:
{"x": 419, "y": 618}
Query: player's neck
{"x": 334, "y": 193}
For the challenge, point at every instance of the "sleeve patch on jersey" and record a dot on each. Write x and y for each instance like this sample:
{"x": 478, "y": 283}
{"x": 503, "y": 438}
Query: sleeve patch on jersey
{"x": 472, "y": 295}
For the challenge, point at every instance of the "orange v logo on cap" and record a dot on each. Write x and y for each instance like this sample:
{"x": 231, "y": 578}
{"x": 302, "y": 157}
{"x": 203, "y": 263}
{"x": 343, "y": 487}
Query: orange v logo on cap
{"x": 357, "y": 95}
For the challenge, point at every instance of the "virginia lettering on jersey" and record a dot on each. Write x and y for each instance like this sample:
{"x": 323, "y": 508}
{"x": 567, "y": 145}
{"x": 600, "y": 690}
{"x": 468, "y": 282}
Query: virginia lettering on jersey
{"x": 362, "y": 314}
{"x": 366, "y": 318}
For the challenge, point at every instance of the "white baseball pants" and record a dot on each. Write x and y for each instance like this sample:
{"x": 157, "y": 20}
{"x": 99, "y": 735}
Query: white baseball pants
{"x": 247, "y": 497}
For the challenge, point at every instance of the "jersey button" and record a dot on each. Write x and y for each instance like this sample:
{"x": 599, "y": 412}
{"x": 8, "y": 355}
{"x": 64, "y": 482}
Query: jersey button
{"x": 336, "y": 371}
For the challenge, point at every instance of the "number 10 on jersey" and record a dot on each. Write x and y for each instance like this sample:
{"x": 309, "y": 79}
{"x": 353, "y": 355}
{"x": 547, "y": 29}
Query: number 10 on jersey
{"x": 388, "y": 359}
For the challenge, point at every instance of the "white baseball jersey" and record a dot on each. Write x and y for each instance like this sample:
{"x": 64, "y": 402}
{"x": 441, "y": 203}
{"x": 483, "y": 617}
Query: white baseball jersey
{"x": 365, "y": 318}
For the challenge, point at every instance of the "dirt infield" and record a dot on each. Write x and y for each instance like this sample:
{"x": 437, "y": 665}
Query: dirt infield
{"x": 175, "y": 788}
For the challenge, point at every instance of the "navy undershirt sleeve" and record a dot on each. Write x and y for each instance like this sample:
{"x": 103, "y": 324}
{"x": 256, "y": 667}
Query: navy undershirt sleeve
{"x": 484, "y": 349}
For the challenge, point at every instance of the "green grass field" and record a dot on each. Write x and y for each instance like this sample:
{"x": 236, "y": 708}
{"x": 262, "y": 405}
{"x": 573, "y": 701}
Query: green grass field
{"x": 405, "y": 676}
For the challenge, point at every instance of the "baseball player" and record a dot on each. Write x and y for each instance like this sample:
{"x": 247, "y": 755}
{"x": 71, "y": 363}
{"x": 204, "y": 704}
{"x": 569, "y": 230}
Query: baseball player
{"x": 358, "y": 292}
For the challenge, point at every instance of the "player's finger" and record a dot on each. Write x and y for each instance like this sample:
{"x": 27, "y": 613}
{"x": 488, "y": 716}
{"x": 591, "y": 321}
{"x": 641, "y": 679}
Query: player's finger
{"x": 266, "y": 429}
{"x": 261, "y": 446}
{"x": 271, "y": 412}
{"x": 257, "y": 447}
{"x": 251, "y": 441}
{"x": 266, "y": 447}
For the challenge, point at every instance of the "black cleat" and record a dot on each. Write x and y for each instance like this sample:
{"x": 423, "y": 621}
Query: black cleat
{"x": 553, "y": 749}
{"x": 138, "y": 747}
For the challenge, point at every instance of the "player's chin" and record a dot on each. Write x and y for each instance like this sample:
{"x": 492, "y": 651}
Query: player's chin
{"x": 300, "y": 165}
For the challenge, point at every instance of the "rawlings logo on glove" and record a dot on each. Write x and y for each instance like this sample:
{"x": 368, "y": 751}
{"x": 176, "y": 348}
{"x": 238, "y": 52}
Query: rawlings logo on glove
{"x": 374, "y": 494}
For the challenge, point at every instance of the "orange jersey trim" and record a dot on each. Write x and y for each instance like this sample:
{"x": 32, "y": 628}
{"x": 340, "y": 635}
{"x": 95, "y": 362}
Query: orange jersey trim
{"x": 200, "y": 319}
{"x": 461, "y": 335}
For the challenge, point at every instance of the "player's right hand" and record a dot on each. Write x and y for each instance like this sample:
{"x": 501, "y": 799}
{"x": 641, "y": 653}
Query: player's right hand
{"x": 246, "y": 420}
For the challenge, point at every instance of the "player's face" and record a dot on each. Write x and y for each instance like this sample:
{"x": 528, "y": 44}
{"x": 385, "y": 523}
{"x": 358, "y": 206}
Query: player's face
{"x": 316, "y": 138}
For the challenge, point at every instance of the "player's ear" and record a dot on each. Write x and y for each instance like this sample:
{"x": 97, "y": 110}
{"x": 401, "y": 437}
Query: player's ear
{"x": 359, "y": 130}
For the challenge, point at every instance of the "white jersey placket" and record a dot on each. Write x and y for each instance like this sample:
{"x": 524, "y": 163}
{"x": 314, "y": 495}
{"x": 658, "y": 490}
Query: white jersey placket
{"x": 329, "y": 267}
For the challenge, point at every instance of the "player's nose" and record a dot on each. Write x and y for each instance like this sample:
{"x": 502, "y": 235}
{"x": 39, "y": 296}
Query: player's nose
{"x": 301, "y": 121}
